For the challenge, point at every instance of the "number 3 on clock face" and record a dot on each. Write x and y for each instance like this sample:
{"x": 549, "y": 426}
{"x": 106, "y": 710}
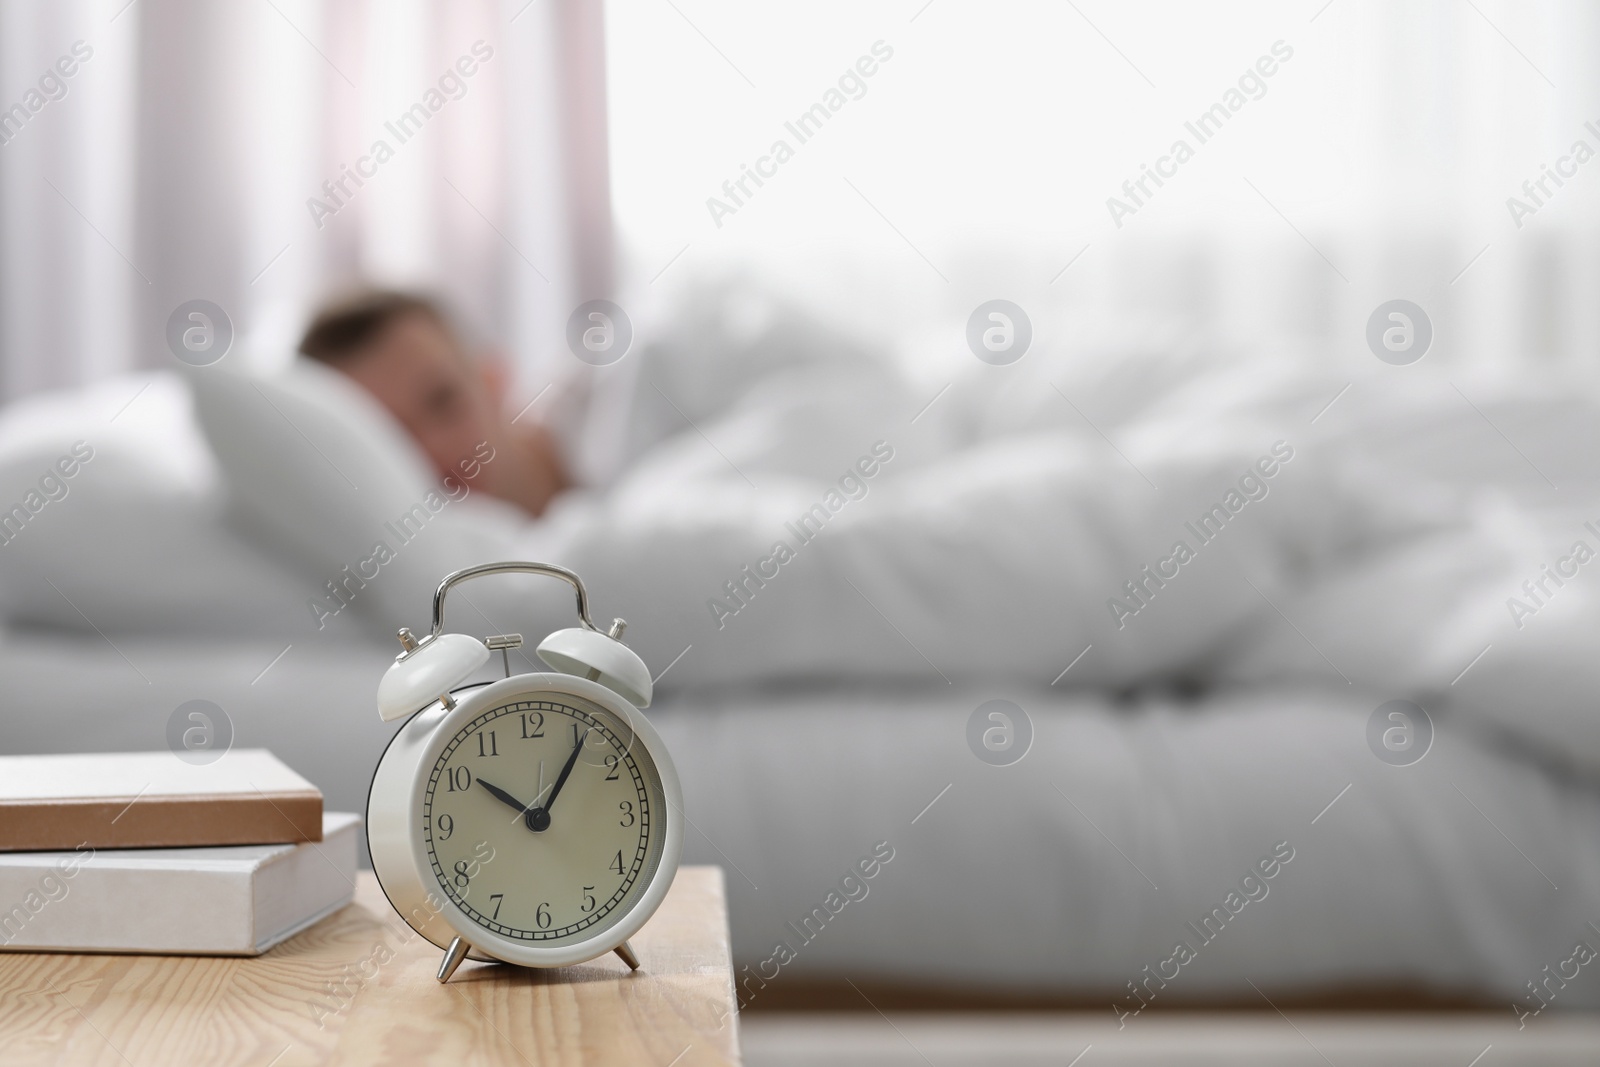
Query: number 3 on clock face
{"x": 542, "y": 820}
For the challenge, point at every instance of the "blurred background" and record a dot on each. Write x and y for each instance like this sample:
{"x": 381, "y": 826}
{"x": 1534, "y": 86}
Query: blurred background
{"x": 979, "y": 160}
{"x": 262, "y": 154}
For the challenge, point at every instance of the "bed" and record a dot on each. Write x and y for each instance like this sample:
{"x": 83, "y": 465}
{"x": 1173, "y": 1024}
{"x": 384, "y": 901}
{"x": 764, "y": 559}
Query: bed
{"x": 1201, "y": 814}
{"x": 1062, "y": 876}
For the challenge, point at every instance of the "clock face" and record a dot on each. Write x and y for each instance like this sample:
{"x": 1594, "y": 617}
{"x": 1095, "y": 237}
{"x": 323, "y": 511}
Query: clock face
{"x": 544, "y": 819}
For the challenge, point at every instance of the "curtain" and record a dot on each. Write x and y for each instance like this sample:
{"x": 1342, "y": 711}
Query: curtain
{"x": 262, "y": 155}
{"x": 978, "y": 161}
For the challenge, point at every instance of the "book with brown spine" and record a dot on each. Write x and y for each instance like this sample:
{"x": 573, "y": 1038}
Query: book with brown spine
{"x": 153, "y": 800}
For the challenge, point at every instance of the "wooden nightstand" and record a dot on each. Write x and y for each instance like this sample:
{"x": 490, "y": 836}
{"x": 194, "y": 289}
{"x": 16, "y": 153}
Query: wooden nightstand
{"x": 359, "y": 988}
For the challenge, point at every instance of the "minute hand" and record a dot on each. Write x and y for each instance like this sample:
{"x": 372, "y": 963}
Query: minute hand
{"x": 540, "y": 817}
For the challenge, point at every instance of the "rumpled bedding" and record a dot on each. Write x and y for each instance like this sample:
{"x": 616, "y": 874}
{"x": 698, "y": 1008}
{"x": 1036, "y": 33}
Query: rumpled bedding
{"x": 1406, "y": 541}
{"x": 1147, "y": 518}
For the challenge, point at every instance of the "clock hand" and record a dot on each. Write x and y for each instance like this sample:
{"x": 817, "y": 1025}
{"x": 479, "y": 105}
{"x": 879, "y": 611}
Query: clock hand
{"x": 561, "y": 779}
{"x": 539, "y": 818}
{"x": 504, "y": 797}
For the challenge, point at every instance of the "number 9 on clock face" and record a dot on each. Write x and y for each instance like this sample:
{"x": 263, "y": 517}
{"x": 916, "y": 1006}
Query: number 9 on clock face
{"x": 543, "y": 820}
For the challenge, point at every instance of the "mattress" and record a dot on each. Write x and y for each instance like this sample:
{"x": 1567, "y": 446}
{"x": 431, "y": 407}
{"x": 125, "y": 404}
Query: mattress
{"x": 1130, "y": 827}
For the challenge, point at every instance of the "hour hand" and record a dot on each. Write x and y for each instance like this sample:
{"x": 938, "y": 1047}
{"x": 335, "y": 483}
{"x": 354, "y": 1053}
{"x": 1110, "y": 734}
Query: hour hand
{"x": 503, "y": 797}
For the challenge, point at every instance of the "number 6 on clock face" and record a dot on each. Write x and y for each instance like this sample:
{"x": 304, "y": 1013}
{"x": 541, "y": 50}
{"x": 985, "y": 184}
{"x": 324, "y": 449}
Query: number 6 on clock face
{"x": 539, "y": 819}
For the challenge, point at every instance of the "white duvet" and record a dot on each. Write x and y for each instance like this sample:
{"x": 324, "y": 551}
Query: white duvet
{"x": 1407, "y": 544}
{"x": 1110, "y": 522}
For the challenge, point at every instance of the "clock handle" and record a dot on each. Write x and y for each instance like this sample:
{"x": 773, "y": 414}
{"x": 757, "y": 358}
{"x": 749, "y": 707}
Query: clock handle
{"x": 483, "y": 570}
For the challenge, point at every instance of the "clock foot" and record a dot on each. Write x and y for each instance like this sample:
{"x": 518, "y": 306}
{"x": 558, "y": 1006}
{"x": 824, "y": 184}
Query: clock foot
{"x": 625, "y": 950}
{"x": 452, "y": 958}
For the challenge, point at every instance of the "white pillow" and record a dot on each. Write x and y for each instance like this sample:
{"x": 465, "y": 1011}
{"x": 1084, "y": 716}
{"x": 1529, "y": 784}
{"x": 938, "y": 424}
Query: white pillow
{"x": 133, "y": 539}
{"x": 314, "y": 466}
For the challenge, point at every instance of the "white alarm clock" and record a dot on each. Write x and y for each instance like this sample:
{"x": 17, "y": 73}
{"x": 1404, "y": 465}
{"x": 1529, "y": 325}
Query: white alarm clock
{"x": 534, "y": 820}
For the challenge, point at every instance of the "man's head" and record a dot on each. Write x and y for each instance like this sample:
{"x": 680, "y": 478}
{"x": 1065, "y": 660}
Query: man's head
{"x": 401, "y": 348}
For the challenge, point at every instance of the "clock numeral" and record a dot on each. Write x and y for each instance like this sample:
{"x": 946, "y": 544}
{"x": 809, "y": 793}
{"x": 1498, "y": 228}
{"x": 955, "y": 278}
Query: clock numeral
{"x": 588, "y": 899}
{"x": 611, "y": 765}
{"x": 447, "y": 826}
{"x": 628, "y": 819}
{"x": 541, "y": 916}
{"x": 491, "y": 749}
{"x": 467, "y": 870}
{"x": 460, "y": 779}
{"x": 616, "y": 864}
{"x": 498, "y": 898}
{"x": 532, "y": 725}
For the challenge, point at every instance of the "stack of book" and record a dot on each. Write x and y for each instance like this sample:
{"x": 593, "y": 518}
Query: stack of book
{"x": 142, "y": 852}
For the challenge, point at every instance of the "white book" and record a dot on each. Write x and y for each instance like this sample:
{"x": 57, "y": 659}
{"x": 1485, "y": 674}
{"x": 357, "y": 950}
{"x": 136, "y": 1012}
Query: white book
{"x": 237, "y": 900}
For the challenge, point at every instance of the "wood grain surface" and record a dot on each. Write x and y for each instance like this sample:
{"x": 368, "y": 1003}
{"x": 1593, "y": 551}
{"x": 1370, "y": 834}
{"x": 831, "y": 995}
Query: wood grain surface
{"x": 359, "y": 988}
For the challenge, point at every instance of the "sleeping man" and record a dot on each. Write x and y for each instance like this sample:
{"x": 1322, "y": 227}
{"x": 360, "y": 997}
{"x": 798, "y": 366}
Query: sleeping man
{"x": 401, "y": 348}
{"x": 832, "y": 525}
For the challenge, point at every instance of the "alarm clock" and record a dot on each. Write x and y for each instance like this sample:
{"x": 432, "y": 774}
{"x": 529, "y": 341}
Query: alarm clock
{"x": 535, "y": 820}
